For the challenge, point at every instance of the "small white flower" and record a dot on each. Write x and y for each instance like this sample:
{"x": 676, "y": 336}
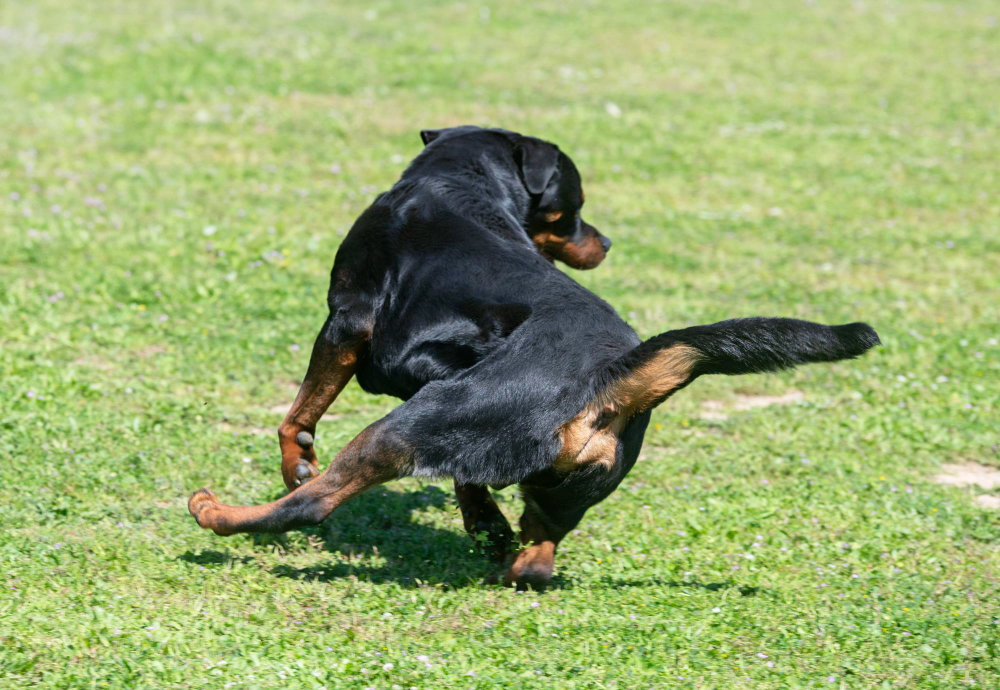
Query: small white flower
{"x": 208, "y": 230}
{"x": 387, "y": 667}
{"x": 716, "y": 610}
{"x": 612, "y": 109}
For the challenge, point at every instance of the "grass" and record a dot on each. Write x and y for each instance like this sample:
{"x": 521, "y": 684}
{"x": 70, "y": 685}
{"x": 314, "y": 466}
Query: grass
{"x": 176, "y": 178}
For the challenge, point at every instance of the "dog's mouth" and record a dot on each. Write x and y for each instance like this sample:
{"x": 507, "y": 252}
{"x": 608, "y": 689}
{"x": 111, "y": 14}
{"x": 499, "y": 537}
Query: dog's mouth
{"x": 583, "y": 255}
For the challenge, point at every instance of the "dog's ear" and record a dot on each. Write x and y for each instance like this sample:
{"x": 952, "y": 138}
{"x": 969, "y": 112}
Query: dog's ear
{"x": 429, "y": 135}
{"x": 538, "y": 160}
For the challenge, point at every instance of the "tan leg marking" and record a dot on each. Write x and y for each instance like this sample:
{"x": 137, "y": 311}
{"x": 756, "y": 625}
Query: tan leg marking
{"x": 369, "y": 459}
{"x": 330, "y": 369}
{"x": 536, "y": 561}
{"x": 534, "y": 564}
{"x": 592, "y": 435}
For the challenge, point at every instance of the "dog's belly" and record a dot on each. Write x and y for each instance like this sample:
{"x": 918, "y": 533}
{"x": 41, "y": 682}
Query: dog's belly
{"x": 403, "y": 375}
{"x": 400, "y": 362}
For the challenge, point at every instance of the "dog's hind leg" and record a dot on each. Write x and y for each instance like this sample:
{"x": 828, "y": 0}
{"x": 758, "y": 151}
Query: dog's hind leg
{"x": 481, "y": 515}
{"x": 331, "y": 366}
{"x": 376, "y": 455}
{"x": 549, "y": 514}
{"x": 533, "y": 565}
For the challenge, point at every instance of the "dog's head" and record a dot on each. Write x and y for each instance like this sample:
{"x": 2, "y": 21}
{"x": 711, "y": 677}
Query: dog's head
{"x": 553, "y": 182}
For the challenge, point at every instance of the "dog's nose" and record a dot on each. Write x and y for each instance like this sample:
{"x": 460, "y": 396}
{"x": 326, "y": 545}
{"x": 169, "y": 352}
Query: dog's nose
{"x": 605, "y": 244}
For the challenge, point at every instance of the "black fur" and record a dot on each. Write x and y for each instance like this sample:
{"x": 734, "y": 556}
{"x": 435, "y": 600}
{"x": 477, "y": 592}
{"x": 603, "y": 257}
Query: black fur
{"x": 490, "y": 345}
{"x": 752, "y": 346}
{"x": 757, "y": 345}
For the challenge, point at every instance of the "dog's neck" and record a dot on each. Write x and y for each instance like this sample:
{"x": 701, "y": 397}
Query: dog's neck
{"x": 485, "y": 189}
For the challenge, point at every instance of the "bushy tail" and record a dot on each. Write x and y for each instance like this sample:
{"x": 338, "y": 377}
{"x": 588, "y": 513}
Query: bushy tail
{"x": 648, "y": 374}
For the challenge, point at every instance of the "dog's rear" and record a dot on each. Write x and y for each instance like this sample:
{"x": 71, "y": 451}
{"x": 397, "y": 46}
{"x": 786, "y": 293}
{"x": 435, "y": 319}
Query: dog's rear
{"x": 654, "y": 370}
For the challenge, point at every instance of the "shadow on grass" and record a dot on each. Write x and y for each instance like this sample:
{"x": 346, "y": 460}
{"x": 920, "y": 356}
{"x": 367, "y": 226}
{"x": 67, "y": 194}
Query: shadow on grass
{"x": 744, "y": 590}
{"x": 213, "y": 558}
{"x": 378, "y": 540}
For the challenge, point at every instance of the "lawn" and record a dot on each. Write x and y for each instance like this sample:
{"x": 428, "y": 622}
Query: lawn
{"x": 175, "y": 178}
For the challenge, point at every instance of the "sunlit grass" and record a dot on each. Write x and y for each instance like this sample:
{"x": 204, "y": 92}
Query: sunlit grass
{"x": 175, "y": 179}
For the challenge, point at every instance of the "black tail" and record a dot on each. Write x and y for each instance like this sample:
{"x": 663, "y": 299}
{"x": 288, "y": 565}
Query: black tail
{"x": 750, "y": 346}
{"x": 738, "y": 346}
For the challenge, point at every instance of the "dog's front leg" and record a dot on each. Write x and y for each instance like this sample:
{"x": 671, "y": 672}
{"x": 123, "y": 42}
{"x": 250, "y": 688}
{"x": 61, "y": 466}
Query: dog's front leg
{"x": 331, "y": 366}
{"x": 376, "y": 455}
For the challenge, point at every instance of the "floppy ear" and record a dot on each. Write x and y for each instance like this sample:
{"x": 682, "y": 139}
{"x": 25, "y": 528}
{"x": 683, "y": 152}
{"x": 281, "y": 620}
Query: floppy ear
{"x": 537, "y": 159}
{"x": 429, "y": 135}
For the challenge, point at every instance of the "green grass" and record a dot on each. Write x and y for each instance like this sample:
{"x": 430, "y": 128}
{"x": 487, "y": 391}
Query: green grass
{"x": 175, "y": 180}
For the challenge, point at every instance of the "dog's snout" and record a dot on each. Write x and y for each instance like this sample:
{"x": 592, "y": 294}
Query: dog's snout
{"x": 605, "y": 244}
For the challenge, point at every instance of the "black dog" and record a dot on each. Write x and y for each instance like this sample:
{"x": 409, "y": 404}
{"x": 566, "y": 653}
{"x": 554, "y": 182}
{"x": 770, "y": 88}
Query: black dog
{"x": 444, "y": 294}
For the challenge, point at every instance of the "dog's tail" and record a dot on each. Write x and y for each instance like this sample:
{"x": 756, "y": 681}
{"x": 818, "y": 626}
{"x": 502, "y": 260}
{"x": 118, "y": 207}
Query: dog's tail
{"x": 648, "y": 374}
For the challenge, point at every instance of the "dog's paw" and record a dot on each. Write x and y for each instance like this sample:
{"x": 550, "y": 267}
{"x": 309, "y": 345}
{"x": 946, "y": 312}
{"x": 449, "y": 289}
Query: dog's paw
{"x": 532, "y": 567}
{"x": 305, "y": 472}
{"x": 204, "y": 507}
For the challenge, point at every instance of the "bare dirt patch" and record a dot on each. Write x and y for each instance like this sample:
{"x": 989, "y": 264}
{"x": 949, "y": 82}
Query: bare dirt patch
{"x": 971, "y": 473}
{"x": 718, "y": 410}
{"x": 988, "y": 501}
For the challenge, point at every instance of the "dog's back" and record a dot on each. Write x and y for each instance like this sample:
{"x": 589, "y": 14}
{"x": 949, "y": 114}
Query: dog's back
{"x": 477, "y": 325}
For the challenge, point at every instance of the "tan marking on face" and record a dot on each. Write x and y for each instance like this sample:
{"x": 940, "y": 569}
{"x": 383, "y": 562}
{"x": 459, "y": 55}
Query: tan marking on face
{"x": 583, "y": 443}
{"x": 553, "y": 216}
{"x": 587, "y": 254}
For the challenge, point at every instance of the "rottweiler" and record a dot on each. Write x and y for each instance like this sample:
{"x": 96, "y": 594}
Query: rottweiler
{"x": 444, "y": 294}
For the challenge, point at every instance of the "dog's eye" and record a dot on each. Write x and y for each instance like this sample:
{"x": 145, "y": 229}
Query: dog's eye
{"x": 553, "y": 216}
